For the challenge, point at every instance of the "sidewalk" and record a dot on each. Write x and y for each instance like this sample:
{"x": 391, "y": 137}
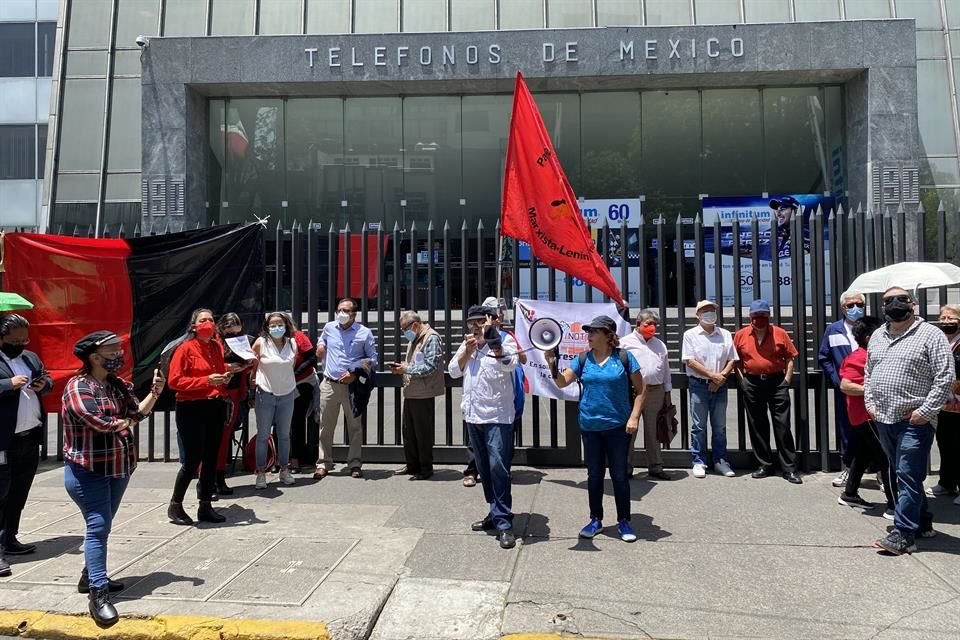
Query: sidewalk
{"x": 389, "y": 559}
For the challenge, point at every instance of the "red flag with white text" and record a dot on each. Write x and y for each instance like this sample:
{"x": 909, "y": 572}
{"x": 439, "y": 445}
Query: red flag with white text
{"x": 539, "y": 206}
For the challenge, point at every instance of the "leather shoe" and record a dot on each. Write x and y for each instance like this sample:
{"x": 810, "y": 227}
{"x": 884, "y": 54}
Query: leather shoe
{"x": 762, "y": 472}
{"x": 404, "y": 471}
{"x": 206, "y": 513}
{"x": 792, "y": 477}
{"x": 356, "y": 472}
{"x": 177, "y": 515}
{"x": 320, "y": 473}
{"x": 506, "y": 538}
{"x": 5, "y": 568}
{"x": 482, "y": 525}
{"x": 104, "y": 613}
{"x": 426, "y": 475}
{"x": 659, "y": 475}
{"x": 83, "y": 586}
{"x": 15, "y": 548}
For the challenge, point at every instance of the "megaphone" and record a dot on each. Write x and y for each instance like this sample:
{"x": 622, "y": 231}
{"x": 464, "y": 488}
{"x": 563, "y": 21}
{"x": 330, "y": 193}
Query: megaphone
{"x": 546, "y": 334}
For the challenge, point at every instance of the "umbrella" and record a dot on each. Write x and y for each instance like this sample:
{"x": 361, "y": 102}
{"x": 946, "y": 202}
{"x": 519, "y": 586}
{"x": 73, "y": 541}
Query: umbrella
{"x": 13, "y": 301}
{"x": 907, "y": 275}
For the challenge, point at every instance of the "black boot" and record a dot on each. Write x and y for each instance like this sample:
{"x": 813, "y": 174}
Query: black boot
{"x": 206, "y": 513}
{"x": 84, "y": 585}
{"x": 201, "y": 498}
{"x": 177, "y": 515}
{"x": 222, "y": 487}
{"x": 104, "y": 613}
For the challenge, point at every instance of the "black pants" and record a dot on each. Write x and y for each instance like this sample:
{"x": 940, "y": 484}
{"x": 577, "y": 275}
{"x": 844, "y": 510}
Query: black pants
{"x": 771, "y": 394}
{"x": 948, "y": 441}
{"x": 419, "y": 425}
{"x": 303, "y": 447}
{"x": 23, "y": 456}
{"x": 200, "y": 425}
{"x": 868, "y": 453}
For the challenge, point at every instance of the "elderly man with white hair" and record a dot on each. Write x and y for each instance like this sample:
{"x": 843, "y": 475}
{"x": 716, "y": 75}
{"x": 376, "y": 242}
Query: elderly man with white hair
{"x": 838, "y": 342}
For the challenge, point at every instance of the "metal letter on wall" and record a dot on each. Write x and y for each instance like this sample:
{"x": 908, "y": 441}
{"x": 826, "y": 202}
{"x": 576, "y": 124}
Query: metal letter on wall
{"x": 893, "y": 184}
{"x": 164, "y": 195}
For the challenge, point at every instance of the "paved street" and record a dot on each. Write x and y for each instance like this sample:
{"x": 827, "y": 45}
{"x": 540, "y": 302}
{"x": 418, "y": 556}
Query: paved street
{"x": 390, "y": 559}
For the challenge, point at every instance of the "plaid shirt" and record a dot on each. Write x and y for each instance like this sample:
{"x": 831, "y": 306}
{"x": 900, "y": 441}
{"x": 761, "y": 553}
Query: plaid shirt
{"x": 94, "y": 436}
{"x": 911, "y": 371}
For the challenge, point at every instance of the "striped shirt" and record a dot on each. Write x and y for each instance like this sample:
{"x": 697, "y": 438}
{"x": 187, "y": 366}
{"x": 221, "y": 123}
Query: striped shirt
{"x": 909, "y": 371}
{"x": 95, "y": 436}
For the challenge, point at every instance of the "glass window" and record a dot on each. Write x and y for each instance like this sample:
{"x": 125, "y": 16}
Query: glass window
{"x": 122, "y": 186}
{"x": 86, "y": 63}
{"x": 136, "y": 18}
{"x": 569, "y": 13}
{"x": 925, "y": 12}
{"x": 220, "y": 135}
{"x": 328, "y": 16}
{"x": 78, "y": 186}
{"x": 953, "y": 13}
{"x": 46, "y": 41}
{"x": 185, "y": 18}
{"x": 81, "y": 125}
{"x": 124, "y": 147}
{"x": 18, "y": 149}
{"x": 126, "y": 63}
{"x": 41, "y": 149}
{"x": 866, "y": 9}
{"x": 376, "y": 16}
{"x": 424, "y": 15}
{"x": 766, "y": 10}
{"x": 933, "y": 111}
{"x": 125, "y": 214}
{"x": 732, "y": 142}
{"x": 718, "y": 11}
{"x": 314, "y": 147}
{"x": 836, "y": 173}
{"x": 521, "y": 14}
{"x": 941, "y": 172}
{"x": 90, "y": 23}
{"x": 668, "y": 12}
{"x": 619, "y": 12}
{"x": 930, "y": 44}
{"x": 670, "y": 161}
{"x": 611, "y": 145}
{"x": 485, "y": 126}
{"x": 794, "y": 154}
{"x": 280, "y": 17}
{"x": 373, "y": 160}
{"x": 254, "y": 143}
{"x": 812, "y": 10}
{"x": 473, "y": 15}
{"x": 17, "y": 50}
{"x": 231, "y": 17}
{"x": 432, "y": 158}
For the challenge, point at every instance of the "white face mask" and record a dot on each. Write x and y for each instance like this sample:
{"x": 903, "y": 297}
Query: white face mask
{"x": 708, "y": 317}
{"x": 342, "y": 317}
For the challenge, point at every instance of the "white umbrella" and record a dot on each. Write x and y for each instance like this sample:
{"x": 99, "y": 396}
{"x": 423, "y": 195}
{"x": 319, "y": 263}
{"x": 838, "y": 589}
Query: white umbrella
{"x": 907, "y": 275}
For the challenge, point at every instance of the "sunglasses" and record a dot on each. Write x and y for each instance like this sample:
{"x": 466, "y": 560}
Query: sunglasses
{"x": 851, "y": 305}
{"x": 900, "y": 298}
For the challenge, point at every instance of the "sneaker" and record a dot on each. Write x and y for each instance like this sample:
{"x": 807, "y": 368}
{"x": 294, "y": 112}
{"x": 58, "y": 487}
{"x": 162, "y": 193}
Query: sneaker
{"x": 699, "y": 471}
{"x": 593, "y": 528}
{"x": 854, "y": 501}
{"x": 888, "y": 514}
{"x": 879, "y": 479}
{"x": 841, "y": 480}
{"x": 286, "y": 477}
{"x": 927, "y": 533}
{"x": 723, "y": 468}
{"x": 896, "y": 544}
{"x": 626, "y": 531}
{"x": 938, "y": 490}
{"x": 261, "y": 480}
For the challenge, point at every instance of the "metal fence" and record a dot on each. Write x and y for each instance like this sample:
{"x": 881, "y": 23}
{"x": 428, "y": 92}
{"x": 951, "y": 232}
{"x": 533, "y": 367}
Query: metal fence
{"x": 441, "y": 269}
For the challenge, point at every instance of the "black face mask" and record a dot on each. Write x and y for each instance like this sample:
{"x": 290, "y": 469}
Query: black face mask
{"x": 949, "y": 328}
{"x": 897, "y": 310}
{"x": 12, "y": 350}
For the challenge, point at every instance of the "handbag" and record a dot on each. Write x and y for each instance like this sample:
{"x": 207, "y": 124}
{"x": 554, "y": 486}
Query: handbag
{"x": 667, "y": 424}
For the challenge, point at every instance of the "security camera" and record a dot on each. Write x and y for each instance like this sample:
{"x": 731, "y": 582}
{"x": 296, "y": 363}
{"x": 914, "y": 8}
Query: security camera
{"x": 143, "y": 41}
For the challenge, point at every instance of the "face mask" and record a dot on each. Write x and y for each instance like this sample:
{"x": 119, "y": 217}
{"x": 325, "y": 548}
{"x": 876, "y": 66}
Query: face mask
{"x": 760, "y": 322}
{"x": 948, "y": 328}
{"x": 12, "y": 350}
{"x": 205, "y": 329}
{"x": 708, "y": 317}
{"x": 342, "y": 317}
{"x": 409, "y": 335}
{"x": 114, "y": 364}
{"x": 648, "y": 331}
{"x": 854, "y": 313}
{"x": 897, "y": 311}
{"x": 278, "y": 332}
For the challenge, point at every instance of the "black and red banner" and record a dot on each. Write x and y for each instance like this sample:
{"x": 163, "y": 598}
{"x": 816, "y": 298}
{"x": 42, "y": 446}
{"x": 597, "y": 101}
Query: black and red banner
{"x": 143, "y": 289}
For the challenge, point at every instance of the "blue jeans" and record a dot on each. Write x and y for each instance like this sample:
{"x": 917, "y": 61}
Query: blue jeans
{"x": 98, "y": 498}
{"x": 703, "y": 403}
{"x": 273, "y": 410}
{"x": 493, "y": 451}
{"x": 908, "y": 448}
{"x": 602, "y": 449}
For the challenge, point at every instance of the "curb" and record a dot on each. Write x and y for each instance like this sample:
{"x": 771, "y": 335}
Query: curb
{"x": 60, "y": 626}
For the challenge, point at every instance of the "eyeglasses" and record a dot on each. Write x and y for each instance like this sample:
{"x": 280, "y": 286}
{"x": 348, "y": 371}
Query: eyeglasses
{"x": 475, "y": 323}
{"x": 110, "y": 354}
{"x": 900, "y": 298}
{"x": 851, "y": 305}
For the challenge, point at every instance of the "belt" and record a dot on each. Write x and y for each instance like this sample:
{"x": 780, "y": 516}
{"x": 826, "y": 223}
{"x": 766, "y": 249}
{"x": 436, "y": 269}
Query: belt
{"x": 27, "y": 432}
{"x": 329, "y": 379}
{"x": 763, "y": 376}
{"x": 654, "y": 386}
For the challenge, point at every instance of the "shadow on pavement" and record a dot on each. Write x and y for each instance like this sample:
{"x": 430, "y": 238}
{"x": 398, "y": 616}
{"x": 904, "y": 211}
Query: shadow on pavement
{"x": 236, "y": 516}
{"x": 137, "y": 587}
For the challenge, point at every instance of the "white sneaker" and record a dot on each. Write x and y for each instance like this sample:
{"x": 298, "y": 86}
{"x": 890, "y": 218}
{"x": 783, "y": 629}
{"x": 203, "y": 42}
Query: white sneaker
{"x": 699, "y": 471}
{"x": 937, "y": 490}
{"x": 261, "y": 480}
{"x": 286, "y": 477}
{"x": 723, "y": 468}
{"x": 841, "y": 480}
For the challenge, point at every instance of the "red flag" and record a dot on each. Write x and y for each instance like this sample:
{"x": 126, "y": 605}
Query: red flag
{"x": 539, "y": 206}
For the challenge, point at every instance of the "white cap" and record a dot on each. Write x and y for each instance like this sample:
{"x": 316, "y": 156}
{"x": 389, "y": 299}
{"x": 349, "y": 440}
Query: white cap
{"x": 491, "y": 302}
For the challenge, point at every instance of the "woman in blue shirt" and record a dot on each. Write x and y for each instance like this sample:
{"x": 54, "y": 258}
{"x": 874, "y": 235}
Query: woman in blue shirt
{"x": 607, "y": 418}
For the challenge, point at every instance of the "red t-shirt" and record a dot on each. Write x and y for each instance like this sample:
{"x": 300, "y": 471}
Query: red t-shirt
{"x": 852, "y": 369}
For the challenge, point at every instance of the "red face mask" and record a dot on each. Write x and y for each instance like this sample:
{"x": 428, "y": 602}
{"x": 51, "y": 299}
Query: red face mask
{"x": 648, "y": 331}
{"x": 760, "y": 322}
{"x": 205, "y": 329}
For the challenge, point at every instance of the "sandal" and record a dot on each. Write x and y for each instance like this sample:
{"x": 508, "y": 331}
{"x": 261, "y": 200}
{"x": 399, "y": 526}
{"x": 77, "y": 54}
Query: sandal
{"x": 469, "y": 481}
{"x": 320, "y": 473}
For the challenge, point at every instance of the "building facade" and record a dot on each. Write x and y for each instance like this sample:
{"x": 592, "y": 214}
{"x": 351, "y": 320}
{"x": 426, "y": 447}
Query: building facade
{"x": 395, "y": 111}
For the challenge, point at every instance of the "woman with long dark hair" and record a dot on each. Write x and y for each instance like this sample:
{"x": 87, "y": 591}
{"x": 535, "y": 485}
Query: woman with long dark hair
{"x": 99, "y": 411}
{"x": 235, "y": 393}
{"x": 276, "y": 352}
{"x": 198, "y": 375}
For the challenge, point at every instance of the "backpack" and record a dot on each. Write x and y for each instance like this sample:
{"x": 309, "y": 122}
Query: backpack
{"x": 519, "y": 381}
{"x": 624, "y": 360}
